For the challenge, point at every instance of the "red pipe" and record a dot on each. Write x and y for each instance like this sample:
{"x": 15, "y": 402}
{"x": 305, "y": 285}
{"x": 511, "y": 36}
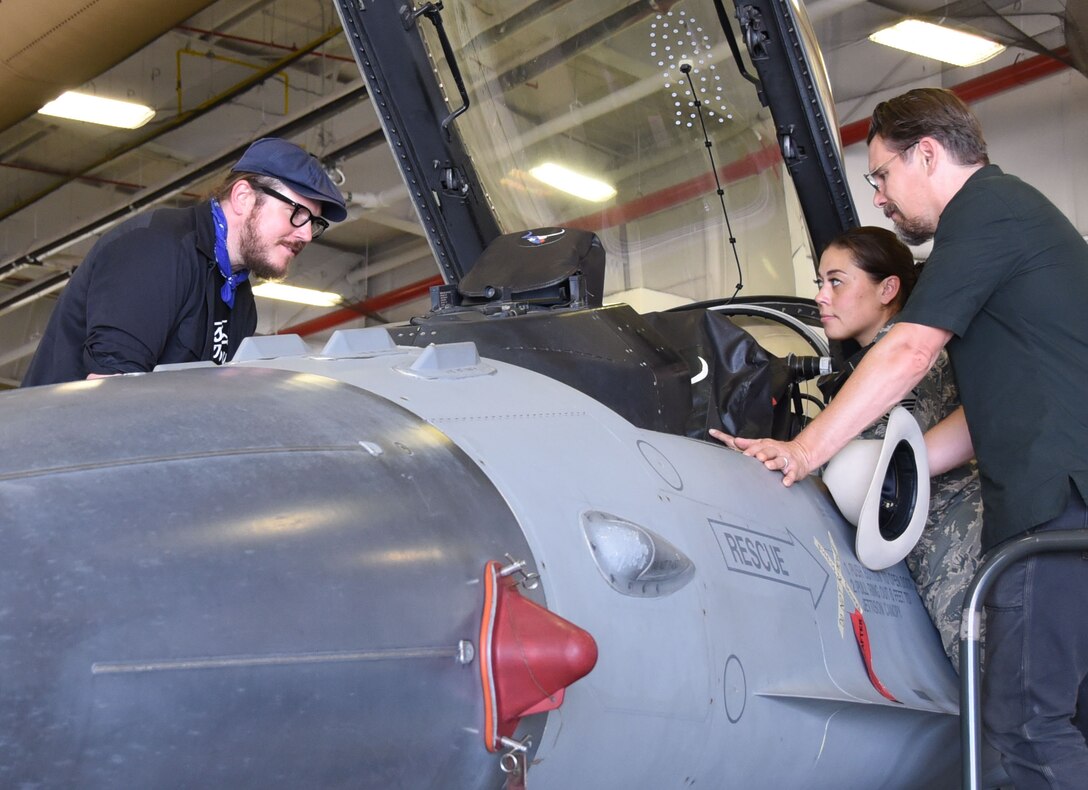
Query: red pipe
{"x": 87, "y": 179}
{"x": 72, "y": 176}
{"x": 1003, "y": 79}
{"x": 392, "y": 298}
{"x": 1012, "y": 76}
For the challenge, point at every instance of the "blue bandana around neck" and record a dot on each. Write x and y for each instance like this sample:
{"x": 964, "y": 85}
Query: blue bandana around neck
{"x": 222, "y": 257}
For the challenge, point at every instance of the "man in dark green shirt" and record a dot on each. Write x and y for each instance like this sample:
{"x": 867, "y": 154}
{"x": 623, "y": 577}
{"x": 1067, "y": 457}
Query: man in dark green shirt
{"x": 1008, "y": 277}
{"x": 1005, "y": 288}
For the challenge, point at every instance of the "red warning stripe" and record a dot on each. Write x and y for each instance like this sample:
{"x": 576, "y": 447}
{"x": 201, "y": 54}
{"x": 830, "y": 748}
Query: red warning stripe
{"x": 861, "y": 633}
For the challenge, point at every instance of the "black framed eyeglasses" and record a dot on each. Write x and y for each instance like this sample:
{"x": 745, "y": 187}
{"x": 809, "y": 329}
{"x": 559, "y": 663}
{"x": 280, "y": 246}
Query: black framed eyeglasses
{"x": 876, "y": 176}
{"x": 301, "y": 215}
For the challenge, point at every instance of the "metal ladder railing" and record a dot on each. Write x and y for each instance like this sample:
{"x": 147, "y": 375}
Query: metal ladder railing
{"x": 993, "y": 565}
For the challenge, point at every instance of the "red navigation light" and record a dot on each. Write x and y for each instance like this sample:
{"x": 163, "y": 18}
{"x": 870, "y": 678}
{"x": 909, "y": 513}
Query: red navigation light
{"x": 528, "y": 657}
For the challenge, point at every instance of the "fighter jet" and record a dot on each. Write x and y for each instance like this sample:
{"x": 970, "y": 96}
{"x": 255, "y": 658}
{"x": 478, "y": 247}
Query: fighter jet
{"x": 491, "y": 547}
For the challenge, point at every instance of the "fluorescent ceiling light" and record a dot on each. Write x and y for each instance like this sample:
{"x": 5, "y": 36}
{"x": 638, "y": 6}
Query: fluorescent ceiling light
{"x": 573, "y": 183}
{"x": 289, "y": 293}
{"x": 95, "y": 109}
{"x": 937, "y": 42}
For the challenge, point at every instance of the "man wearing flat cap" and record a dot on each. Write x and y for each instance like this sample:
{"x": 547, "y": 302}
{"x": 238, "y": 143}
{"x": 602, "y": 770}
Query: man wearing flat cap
{"x": 172, "y": 285}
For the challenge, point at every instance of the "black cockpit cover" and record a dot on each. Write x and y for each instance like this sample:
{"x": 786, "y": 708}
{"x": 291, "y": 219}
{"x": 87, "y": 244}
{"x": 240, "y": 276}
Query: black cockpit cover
{"x": 737, "y": 385}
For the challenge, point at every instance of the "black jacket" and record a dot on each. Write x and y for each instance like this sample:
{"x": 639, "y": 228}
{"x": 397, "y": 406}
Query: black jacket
{"x": 145, "y": 295}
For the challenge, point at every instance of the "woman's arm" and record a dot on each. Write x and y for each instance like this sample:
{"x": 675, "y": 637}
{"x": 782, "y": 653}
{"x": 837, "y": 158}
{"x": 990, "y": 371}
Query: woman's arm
{"x": 948, "y": 443}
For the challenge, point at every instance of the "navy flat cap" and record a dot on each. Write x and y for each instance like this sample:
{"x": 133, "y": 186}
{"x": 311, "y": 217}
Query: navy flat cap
{"x": 302, "y": 172}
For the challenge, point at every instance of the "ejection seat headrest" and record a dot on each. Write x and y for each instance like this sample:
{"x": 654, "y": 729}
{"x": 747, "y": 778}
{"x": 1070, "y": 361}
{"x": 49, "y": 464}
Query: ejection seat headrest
{"x": 882, "y": 487}
{"x": 529, "y": 262}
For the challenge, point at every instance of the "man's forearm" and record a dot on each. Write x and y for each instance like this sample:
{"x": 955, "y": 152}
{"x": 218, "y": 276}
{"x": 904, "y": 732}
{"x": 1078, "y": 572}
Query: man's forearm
{"x": 886, "y": 374}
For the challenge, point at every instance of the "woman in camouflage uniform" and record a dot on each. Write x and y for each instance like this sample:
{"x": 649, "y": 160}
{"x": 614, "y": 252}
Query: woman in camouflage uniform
{"x": 865, "y": 277}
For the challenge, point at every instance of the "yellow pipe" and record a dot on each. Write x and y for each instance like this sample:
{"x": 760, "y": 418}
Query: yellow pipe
{"x": 235, "y": 61}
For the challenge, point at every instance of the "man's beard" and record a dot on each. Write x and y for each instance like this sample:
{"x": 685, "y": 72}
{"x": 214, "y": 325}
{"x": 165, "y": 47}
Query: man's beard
{"x": 910, "y": 231}
{"x": 255, "y": 252}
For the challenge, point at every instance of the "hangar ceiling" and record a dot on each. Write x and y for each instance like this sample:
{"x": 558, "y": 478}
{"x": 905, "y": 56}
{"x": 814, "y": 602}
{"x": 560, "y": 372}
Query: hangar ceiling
{"x": 223, "y": 73}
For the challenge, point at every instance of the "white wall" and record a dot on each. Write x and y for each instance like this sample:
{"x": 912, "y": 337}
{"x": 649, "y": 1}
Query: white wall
{"x": 1038, "y": 132}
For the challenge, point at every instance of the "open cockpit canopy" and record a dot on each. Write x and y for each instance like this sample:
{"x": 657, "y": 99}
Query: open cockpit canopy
{"x": 623, "y": 118}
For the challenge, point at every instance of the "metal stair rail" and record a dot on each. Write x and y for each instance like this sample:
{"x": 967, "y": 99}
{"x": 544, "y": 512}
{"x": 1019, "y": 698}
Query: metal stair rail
{"x": 993, "y": 565}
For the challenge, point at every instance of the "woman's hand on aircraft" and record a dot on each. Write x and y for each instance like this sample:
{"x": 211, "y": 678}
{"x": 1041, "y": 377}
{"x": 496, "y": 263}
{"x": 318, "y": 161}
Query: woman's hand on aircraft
{"x": 789, "y": 458}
